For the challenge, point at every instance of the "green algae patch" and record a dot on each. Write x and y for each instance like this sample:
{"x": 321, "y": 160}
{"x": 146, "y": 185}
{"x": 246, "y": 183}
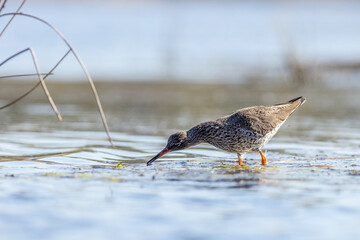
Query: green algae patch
{"x": 243, "y": 168}
{"x": 354, "y": 173}
{"x": 55, "y": 175}
{"x": 113, "y": 179}
{"x": 323, "y": 166}
{"x": 61, "y": 175}
{"x": 315, "y": 169}
{"x": 83, "y": 175}
{"x": 320, "y": 168}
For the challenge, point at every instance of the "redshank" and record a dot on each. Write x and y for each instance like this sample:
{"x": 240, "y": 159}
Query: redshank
{"x": 246, "y": 130}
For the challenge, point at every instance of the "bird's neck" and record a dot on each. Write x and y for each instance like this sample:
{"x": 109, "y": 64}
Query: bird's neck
{"x": 199, "y": 133}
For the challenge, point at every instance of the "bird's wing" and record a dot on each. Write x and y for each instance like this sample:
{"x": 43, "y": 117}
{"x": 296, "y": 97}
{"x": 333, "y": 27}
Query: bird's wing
{"x": 259, "y": 119}
{"x": 262, "y": 119}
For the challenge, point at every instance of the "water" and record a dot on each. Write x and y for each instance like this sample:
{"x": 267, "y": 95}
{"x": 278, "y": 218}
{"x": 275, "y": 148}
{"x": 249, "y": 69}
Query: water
{"x": 212, "y": 40}
{"x": 63, "y": 180}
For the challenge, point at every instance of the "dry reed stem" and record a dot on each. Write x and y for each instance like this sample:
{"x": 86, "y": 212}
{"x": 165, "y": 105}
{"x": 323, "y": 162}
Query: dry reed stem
{"x": 41, "y": 80}
{"x": 37, "y": 84}
{"x": 12, "y": 18}
{"x": 101, "y": 111}
{"x": 3, "y": 5}
{"x": 23, "y": 75}
{"x": 47, "y": 93}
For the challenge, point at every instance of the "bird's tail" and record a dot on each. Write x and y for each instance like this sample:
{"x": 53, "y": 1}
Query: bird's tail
{"x": 287, "y": 108}
{"x": 299, "y": 100}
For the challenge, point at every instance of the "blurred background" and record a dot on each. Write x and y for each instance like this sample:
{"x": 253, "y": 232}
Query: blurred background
{"x": 204, "y": 41}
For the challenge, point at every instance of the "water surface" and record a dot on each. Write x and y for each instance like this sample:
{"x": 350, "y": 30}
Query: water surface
{"x": 63, "y": 180}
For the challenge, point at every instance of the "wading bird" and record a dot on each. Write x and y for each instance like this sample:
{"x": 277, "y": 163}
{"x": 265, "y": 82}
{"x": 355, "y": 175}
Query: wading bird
{"x": 246, "y": 130}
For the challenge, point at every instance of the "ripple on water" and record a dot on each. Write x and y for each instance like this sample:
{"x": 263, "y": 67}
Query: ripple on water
{"x": 58, "y": 184}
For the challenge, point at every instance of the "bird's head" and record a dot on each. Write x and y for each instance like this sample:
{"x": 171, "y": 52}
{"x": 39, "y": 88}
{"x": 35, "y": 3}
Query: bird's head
{"x": 176, "y": 141}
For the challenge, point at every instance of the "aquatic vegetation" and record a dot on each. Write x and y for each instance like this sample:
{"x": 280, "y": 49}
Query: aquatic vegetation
{"x": 37, "y": 67}
{"x": 52, "y": 174}
{"x": 112, "y": 178}
{"x": 354, "y": 173}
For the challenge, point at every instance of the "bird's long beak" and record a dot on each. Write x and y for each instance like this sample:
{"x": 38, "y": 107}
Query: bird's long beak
{"x": 164, "y": 151}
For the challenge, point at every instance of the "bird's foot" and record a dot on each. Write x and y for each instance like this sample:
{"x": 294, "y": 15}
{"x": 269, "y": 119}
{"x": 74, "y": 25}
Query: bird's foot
{"x": 240, "y": 160}
{"x": 263, "y": 158}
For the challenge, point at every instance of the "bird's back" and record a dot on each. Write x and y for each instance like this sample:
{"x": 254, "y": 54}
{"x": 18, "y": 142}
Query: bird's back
{"x": 251, "y": 128}
{"x": 263, "y": 119}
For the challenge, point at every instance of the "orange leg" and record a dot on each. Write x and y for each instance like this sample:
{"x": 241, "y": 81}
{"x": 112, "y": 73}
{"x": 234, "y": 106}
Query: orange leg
{"x": 263, "y": 158}
{"x": 240, "y": 160}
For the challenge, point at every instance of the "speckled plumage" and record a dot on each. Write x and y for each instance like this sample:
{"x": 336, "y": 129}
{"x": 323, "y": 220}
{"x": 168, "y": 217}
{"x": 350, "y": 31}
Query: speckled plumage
{"x": 246, "y": 130}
